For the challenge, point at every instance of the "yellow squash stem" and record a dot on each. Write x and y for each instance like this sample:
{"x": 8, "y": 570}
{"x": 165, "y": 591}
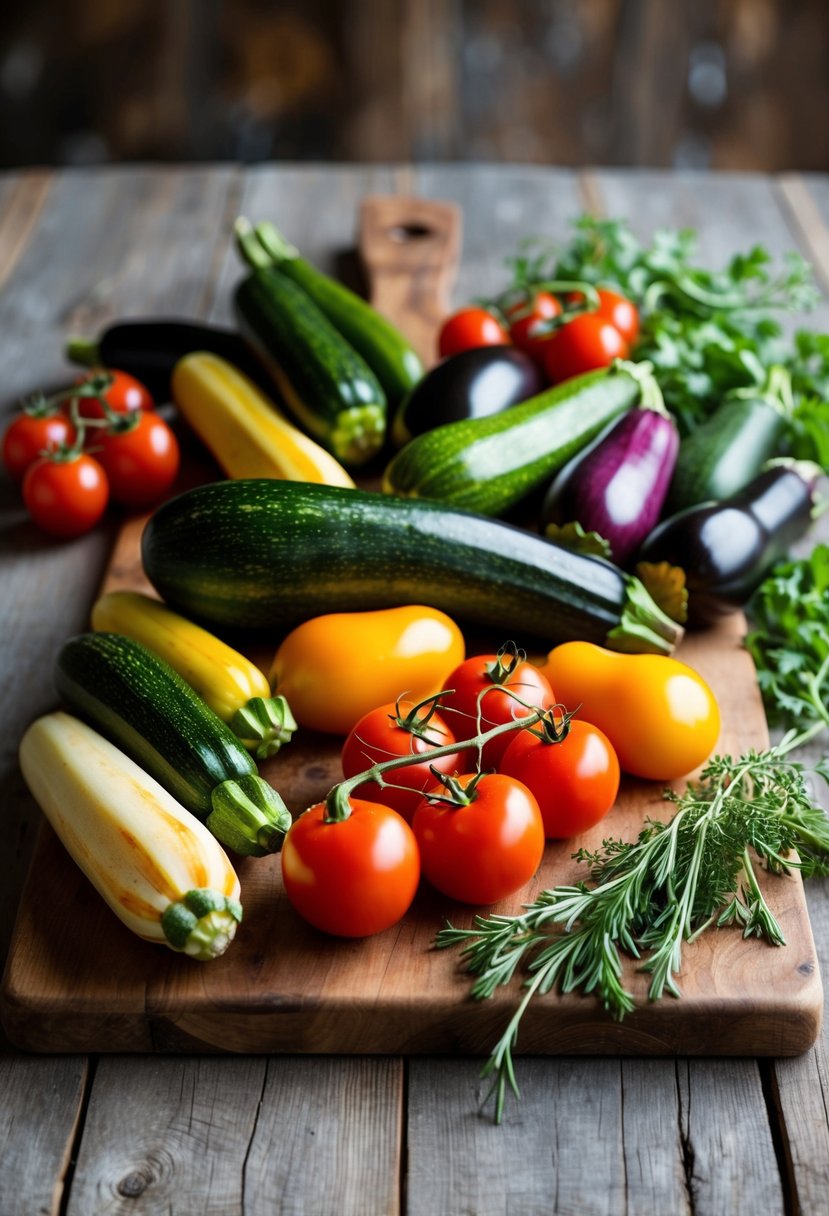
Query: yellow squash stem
{"x": 245, "y": 431}
{"x": 234, "y": 687}
{"x": 159, "y": 869}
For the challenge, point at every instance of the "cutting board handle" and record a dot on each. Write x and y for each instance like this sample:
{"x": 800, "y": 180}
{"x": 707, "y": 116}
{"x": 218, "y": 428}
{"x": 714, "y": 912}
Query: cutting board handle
{"x": 410, "y": 249}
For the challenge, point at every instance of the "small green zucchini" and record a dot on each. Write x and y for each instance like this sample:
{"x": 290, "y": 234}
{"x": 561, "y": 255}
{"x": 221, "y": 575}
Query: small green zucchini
{"x": 489, "y": 464}
{"x": 328, "y": 387}
{"x": 730, "y": 447}
{"x": 267, "y": 554}
{"x": 393, "y": 361}
{"x": 145, "y": 708}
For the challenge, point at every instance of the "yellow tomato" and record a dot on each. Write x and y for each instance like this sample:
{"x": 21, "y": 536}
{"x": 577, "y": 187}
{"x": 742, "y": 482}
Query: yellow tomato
{"x": 335, "y": 668}
{"x": 659, "y": 714}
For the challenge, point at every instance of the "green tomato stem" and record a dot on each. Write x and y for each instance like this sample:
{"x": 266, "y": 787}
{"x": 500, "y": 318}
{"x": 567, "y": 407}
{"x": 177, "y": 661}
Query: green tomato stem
{"x": 337, "y": 803}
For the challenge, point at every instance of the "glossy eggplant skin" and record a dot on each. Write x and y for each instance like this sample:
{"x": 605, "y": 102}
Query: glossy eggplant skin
{"x": 617, "y": 487}
{"x": 472, "y": 384}
{"x": 149, "y": 349}
{"x": 727, "y": 548}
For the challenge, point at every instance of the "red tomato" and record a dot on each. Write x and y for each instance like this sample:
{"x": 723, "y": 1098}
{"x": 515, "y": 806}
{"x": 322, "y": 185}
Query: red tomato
{"x": 66, "y": 497}
{"x": 141, "y": 460}
{"x": 386, "y": 733}
{"x": 486, "y": 850}
{"x": 575, "y": 781}
{"x": 28, "y": 436}
{"x": 354, "y": 877}
{"x": 468, "y": 328}
{"x": 123, "y": 395}
{"x": 621, "y": 312}
{"x": 582, "y": 345}
{"x": 542, "y": 307}
{"x": 494, "y": 679}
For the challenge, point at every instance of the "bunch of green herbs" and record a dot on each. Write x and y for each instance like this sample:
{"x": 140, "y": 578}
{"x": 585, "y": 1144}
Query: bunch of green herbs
{"x": 707, "y": 332}
{"x": 648, "y": 898}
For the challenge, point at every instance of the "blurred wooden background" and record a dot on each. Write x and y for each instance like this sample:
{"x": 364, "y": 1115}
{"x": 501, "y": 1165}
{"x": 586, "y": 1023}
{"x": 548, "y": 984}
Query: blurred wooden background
{"x": 740, "y": 84}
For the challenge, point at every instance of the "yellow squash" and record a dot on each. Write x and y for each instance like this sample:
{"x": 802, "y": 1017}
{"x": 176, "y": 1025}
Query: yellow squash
{"x": 159, "y": 869}
{"x": 234, "y": 687}
{"x": 245, "y": 431}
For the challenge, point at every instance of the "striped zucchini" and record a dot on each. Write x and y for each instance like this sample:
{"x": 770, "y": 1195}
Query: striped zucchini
{"x": 326, "y": 384}
{"x": 235, "y": 689}
{"x": 158, "y": 868}
{"x": 269, "y": 554}
{"x": 138, "y": 702}
{"x": 489, "y": 464}
{"x": 393, "y": 361}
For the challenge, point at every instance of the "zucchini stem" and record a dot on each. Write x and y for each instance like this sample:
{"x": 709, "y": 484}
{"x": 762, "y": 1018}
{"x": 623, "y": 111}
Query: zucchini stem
{"x": 248, "y": 816}
{"x": 263, "y": 725}
{"x": 202, "y": 924}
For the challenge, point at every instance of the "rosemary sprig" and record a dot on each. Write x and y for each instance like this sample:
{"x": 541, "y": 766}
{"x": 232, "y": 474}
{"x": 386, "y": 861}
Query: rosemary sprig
{"x": 649, "y": 897}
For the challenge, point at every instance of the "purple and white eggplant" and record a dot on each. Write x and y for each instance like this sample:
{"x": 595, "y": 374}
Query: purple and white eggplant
{"x": 616, "y": 488}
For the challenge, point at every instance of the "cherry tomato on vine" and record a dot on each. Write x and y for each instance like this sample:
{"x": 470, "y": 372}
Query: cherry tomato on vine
{"x": 468, "y": 328}
{"x": 498, "y": 680}
{"x": 29, "y": 435}
{"x": 485, "y": 850}
{"x": 399, "y": 729}
{"x": 575, "y": 781}
{"x": 526, "y": 315}
{"x": 352, "y": 877}
{"x": 123, "y": 395}
{"x": 66, "y": 497}
{"x": 621, "y": 312}
{"x": 582, "y": 345}
{"x": 141, "y": 458}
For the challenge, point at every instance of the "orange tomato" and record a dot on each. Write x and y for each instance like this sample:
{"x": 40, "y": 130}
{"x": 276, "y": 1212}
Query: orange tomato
{"x": 334, "y": 669}
{"x": 659, "y": 714}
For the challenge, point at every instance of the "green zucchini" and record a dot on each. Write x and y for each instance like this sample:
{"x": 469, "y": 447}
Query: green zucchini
{"x": 730, "y": 447}
{"x": 270, "y": 554}
{"x": 393, "y": 361}
{"x": 489, "y": 464}
{"x": 332, "y": 392}
{"x": 145, "y": 708}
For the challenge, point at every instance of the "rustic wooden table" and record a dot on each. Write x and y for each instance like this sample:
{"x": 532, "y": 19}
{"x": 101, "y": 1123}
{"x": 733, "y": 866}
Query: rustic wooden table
{"x": 350, "y": 1134}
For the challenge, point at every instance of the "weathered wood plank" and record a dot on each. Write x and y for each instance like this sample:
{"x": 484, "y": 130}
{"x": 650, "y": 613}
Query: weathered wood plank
{"x": 327, "y": 1139}
{"x": 39, "y": 1110}
{"x": 167, "y": 1136}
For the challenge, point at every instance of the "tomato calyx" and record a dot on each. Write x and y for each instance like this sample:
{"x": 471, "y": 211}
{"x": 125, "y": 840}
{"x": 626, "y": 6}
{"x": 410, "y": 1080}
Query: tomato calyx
{"x": 459, "y": 792}
{"x": 507, "y": 659}
{"x": 554, "y": 725}
{"x": 416, "y": 723}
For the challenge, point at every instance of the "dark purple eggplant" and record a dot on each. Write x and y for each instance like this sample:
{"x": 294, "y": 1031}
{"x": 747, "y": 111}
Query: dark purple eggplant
{"x": 472, "y": 384}
{"x": 617, "y": 487}
{"x": 725, "y": 549}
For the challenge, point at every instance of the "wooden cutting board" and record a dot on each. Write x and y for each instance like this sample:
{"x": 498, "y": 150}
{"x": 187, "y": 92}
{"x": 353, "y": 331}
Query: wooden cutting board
{"x": 77, "y": 980}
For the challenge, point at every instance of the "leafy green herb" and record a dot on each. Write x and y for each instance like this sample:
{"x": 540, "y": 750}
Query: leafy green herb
{"x": 706, "y": 332}
{"x": 647, "y": 898}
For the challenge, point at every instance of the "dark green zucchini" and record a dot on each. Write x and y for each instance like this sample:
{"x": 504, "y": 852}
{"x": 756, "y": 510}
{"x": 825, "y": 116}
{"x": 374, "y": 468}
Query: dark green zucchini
{"x": 393, "y": 361}
{"x": 489, "y": 464}
{"x": 144, "y": 707}
{"x": 264, "y": 553}
{"x": 332, "y": 392}
{"x": 729, "y": 448}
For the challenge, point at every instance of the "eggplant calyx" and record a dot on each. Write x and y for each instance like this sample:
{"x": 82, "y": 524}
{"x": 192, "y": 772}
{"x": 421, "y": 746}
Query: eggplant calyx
{"x": 666, "y": 585}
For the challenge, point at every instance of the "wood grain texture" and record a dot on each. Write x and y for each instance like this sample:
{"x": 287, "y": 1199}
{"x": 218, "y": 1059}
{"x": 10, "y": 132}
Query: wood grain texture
{"x": 410, "y": 248}
{"x": 392, "y": 992}
{"x": 39, "y": 1111}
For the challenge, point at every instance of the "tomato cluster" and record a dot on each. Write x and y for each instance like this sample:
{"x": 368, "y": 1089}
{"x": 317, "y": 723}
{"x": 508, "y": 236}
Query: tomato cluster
{"x": 467, "y": 802}
{"x": 566, "y": 335}
{"x": 98, "y": 440}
